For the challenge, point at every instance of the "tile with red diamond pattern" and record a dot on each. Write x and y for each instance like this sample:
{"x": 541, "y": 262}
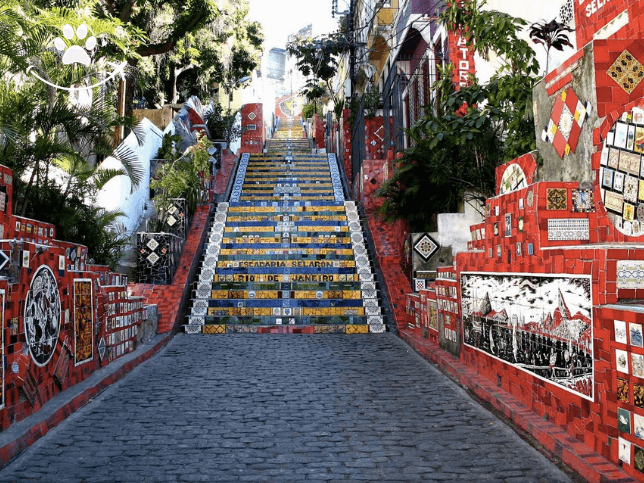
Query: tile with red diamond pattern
{"x": 566, "y": 120}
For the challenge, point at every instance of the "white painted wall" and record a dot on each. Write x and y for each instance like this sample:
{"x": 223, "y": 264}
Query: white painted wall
{"x": 454, "y": 228}
{"x": 116, "y": 195}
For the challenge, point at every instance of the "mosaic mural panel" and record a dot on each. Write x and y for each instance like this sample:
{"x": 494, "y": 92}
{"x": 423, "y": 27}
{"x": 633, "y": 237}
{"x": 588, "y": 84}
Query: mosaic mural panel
{"x": 83, "y": 321}
{"x": 538, "y": 323}
{"x": 42, "y": 315}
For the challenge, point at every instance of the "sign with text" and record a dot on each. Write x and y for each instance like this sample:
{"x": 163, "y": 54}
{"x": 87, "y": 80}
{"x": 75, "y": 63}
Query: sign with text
{"x": 462, "y": 57}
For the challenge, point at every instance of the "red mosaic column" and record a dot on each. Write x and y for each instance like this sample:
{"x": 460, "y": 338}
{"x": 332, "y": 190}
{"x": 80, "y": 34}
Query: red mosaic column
{"x": 252, "y": 138}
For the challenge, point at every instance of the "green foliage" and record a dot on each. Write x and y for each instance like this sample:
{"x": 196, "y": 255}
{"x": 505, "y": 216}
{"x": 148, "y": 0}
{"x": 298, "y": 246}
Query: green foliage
{"x": 167, "y": 149}
{"x": 222, "y": 125}
{"x": 318, "y": 59}
{"x": 184, "y": 177}
{"x": 223, "y": 50}
{"x": 459, "y": 142}
{"x": 452, "y": 155}
{"x": 309, "y": 110}
{"x": 80, "y": 223}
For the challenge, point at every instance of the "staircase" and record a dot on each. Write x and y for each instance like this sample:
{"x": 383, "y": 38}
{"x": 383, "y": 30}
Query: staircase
{"x": 286, "y": 253}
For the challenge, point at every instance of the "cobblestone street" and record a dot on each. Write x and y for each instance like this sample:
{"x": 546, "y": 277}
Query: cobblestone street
{"x": 283, "y": 409}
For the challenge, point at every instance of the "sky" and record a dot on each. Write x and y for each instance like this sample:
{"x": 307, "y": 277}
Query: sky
{"x": 280, "y": 18}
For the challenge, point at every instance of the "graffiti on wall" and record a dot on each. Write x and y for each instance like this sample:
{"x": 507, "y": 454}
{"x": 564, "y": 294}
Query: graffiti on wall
{"x": 538, "y": 323}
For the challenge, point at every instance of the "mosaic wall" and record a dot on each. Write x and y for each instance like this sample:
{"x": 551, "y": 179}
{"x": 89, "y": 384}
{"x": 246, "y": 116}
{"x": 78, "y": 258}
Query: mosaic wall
{"x": 540, "y": 324}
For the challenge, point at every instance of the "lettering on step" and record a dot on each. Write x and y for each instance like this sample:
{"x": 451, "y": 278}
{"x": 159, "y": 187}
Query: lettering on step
{"x": 282, "y": 263}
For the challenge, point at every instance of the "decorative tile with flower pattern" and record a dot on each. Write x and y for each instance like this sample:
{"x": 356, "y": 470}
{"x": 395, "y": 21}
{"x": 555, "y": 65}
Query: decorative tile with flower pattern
{"x": 566, "y": 120}
{"x": 626, "y": 71}
{"x": 556, "y": 199}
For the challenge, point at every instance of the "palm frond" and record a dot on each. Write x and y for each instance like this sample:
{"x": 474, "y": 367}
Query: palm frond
{"x": 130, "y": 161}
{"x": 102, "y": 176}
{"x": 139, "y": 133}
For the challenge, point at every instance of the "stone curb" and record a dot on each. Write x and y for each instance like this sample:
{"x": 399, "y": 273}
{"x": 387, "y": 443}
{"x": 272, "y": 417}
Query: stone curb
{"x": 18, "y": 437}
{"x": 555, "y": 440}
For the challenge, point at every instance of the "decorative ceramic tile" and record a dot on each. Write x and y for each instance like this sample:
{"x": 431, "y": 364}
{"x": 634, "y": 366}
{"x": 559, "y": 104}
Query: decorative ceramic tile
{"x": 624, "y": 451}
{"x": 214, "y": 329}
{"x": 357, "y": 329}
{"x": 556, "y": 199}
{"x": 626, "y": 71}
{"x": 419, "y": 284}
{"x": 638, "y": 459}
{"x": 485, "y": 310}
{"x": 638, "y": 425}
{"x": 426, "y": 246}
{"x": 583, "y": 201}
{"x": 561, "y": 229}
{"x": 566, "y": 120}
{"x": 618, "y": 181}
{"x": 620, "y": 331}
{"x": 630, "y": 162}
{"x": 613, "y": 158}
{"x": 637, "y": 363}
{"x": 638, "y": 395}
{"x": 62, "y": 366}
{"x": 631, "y": 188}
{"x": 613, "y": 201}
{"x": 623, "y": 390}
{"x": 630, "y": 274}
{"x": 508, "y": 224}
{"x": 636, "y": 334}
{"x": 624, "y": 420}
{"x": 192, "y": 329}
{"x": 629, "y": 214}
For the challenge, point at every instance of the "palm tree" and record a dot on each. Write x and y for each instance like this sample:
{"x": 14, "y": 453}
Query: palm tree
{"x": 551, "y": 35}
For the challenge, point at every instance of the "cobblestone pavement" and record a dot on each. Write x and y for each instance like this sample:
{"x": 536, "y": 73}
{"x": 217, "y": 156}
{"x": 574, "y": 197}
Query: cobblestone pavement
{"x": 283, "y": 409}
